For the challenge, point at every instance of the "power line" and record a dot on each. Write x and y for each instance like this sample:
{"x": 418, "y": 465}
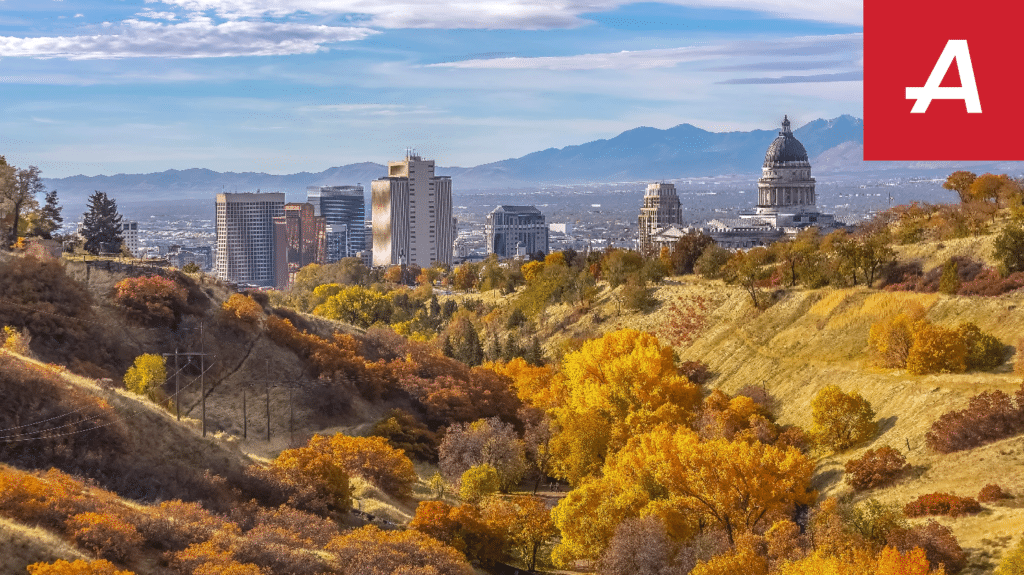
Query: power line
{"x": 126, "y": 418}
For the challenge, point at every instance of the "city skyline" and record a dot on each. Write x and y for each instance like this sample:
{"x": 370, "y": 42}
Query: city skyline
{"x": 224, "y": 85}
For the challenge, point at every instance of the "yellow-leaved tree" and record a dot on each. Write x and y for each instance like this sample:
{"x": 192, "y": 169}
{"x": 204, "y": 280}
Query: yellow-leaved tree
{"x": 841, "y": 420}
{"x": 1013, "y": 561}
{"x": 937, "y": 350}
{"x": 737, "y": 486}
{"x": 371, "y": 458}
{"x": 891, "y": 337}
{"x": 146, "y": 375}
{"x": 614, "y": 387}
{"x": 356, "y": 305}
{"x": 888, "y": 562}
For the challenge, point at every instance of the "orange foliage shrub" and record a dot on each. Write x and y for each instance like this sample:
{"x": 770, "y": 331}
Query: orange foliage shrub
{"x": 151, "y": 299}
{"x": 48, "y": 499}
{"x": 992, "y": 493}
{"x": 370, "y": 458}
{"x": 936, "y": 540}
{"x": 241, "y": 310}
{"x": 890, "y": 339}
{"x": 370, "y": 551}
{"x": 462, "y": 527}
{"x": 876, "y": 468}
{"x": 105, "y": 534}
{"x": 941, "y": 504}
{"x": 174, "y": 525}
{"x": 318, "y": 482}
{"x": 214, "y": 557}
{"x": 76, "y": 567}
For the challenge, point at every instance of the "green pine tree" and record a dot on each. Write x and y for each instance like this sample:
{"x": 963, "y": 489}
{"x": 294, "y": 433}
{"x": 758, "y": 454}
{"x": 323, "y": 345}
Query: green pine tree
{"x": 101, "y": 225}
{"x": 48, "y": 218}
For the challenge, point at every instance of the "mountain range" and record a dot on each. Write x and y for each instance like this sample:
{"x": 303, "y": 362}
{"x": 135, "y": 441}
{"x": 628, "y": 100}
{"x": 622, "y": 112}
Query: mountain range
{"x": 835, "y": 147}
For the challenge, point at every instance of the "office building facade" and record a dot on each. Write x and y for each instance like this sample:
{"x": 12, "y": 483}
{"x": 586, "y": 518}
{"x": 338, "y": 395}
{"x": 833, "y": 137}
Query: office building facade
{"x": 412, "y": 215}
{"x": 510, "y": 230}
{"x": 300, "y": 239}
{"x": 130, "y": 237}
{"x": 661, "y": 209}
{"x": 344, "y": 211}
{"x": 245, "y": 237}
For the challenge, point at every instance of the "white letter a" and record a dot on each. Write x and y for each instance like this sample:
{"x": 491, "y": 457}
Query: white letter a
{"x": 967, "y": 91}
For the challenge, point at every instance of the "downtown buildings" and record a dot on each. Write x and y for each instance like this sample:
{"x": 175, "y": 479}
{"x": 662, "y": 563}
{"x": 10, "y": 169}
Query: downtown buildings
{"x": 344, "y": 211}
{"x": 245, "y": 237}
{"x": 660, "y": 211}
{"x": 516, "y": 231}
{"x": 412, "y": 215}
{"x": 300, "y": 239}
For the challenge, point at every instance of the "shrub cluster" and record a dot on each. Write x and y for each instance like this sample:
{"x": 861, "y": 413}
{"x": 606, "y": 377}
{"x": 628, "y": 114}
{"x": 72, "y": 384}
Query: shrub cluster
{"x": 989, "y": 416}
{"x": 242, "y": 311}
{"x": 152, "y": 299}
{"x": 876, "y": 468}
{"x": 942, "y": 504}
{"x": 908, "y": 340}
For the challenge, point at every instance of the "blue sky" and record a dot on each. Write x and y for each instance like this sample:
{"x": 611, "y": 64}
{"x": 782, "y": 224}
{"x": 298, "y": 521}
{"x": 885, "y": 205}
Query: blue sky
{"x": 102, "y": 87}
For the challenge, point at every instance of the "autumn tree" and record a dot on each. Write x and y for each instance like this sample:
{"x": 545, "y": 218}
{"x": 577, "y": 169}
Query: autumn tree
{"x": 370, "y": 458}
{"x": 240, "y": 309}
{"x": 306, "y": 468}
{"x": 687, "y": 249}
{"x": 146, "y": 375}
{"x": 984, "y": 351}
{"x": 18, "y": 189}
{"x": 619, "y": 385}
{"x": 640, "y": 546}
{"x": 478, "y": 482}
{"x": 711, "y": 262}
{"x": 841, "y": 420}
{"x": 464, "y": 528}
{"x": 937, "y": 350}
{"x": 486, "y": 441}
{"x": 371, "y": 551}
{"x": 747, "y": 269}
{"x": 356, "y": 305}
{"x": 525, "y": 523}
{"x": 960, "y": 182}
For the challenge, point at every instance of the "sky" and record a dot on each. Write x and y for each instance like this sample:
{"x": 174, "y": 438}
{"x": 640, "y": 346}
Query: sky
{"x": 282, "y": 86}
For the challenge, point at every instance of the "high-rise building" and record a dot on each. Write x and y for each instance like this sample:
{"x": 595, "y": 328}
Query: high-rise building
{"x": 181, "y": 256}
{"x": 130, "y": 237}
{"x": 412, "y": 215}
{"x": 661, "y": 210}
{"x": 300, "y": 239}
{"x": 344, "y": 210}
{"x": 512, "y": 227}
{"x": 245, "y": 237}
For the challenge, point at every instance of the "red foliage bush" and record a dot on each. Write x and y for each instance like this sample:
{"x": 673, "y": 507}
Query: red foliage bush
{"x": 937, "y": 540}
{"x": 698, "y": 372}
{"x": 988, "y": 417}
{"x": 151, "y": 299}
{"x": 941, "y": 504}
{"x": 991, "y": 493}
{"x": 876, "y": 468}
{"x": 991, "y": 283}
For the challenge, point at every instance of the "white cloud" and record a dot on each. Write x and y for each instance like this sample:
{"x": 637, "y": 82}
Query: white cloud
{"x": 503, "y": 14}
{"x": 149, "y": 13}
{"x": 193, "y": 39}
{"x": 369, "y": 109}
{"x": 79, "y": 15}
{"x": 807, "y": 46}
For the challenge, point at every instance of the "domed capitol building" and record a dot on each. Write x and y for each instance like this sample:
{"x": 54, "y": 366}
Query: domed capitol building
{"x": 786, "y": 204}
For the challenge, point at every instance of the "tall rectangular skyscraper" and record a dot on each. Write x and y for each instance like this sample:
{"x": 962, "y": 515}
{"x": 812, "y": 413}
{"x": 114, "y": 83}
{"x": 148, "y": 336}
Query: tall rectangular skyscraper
{"x": 510, "y": 228}
{"x": 344, "y": 210}
{"x": 245, "y": 237}
{"x": 412, "y": 215}
{"x": 300, "y": 239}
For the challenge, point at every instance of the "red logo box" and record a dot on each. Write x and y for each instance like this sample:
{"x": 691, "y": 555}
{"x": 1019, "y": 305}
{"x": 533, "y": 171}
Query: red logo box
{"x": 903, "y": 44}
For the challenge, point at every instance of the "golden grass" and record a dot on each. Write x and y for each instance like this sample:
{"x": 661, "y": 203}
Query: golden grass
{"x": 21, "y": 545}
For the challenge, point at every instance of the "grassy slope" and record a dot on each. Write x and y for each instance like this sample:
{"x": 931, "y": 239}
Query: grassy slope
{"x": 813, "y": 338}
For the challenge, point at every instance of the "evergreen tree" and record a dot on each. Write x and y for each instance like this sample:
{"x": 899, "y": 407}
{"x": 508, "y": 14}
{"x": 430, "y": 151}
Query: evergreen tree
{"x": 101, "y": 225}
{"x": 48, "y": 218}
{"x": 535, "y": 355}
{"x": 470, "y": 351}
{"x": 512, "y": 349}
{"x": 495, "y": 352}
{"x": 435, "y": 307}
{"x": 446, "y": 347}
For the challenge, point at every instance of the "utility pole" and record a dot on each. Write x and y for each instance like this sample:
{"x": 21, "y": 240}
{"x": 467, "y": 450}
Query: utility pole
{"x": 245, "y": 419}
{"x": 291, "y": 409}
{"x": 266, "y": 382}
{"x": 177, "y": 400}
{"x": 202, "y": 372}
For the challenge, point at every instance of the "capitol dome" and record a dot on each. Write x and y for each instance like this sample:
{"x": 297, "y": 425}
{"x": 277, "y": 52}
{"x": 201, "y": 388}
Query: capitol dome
{"x": 786, "y": 148}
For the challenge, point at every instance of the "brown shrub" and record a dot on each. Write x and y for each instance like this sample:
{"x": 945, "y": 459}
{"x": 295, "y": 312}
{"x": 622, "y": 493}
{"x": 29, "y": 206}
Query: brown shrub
{"x": 404, "y": 431}
{"x": 941, "y": 504}
{"x": 939, "y": 544}
{"x": 992, "y": 493}
{"x": 174, "y": 525}
{"x": 989, "y": 416}
{"x": 876, "y": 468}
{"x": 991, "y": 283}
{"x": 107, "y": 535}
